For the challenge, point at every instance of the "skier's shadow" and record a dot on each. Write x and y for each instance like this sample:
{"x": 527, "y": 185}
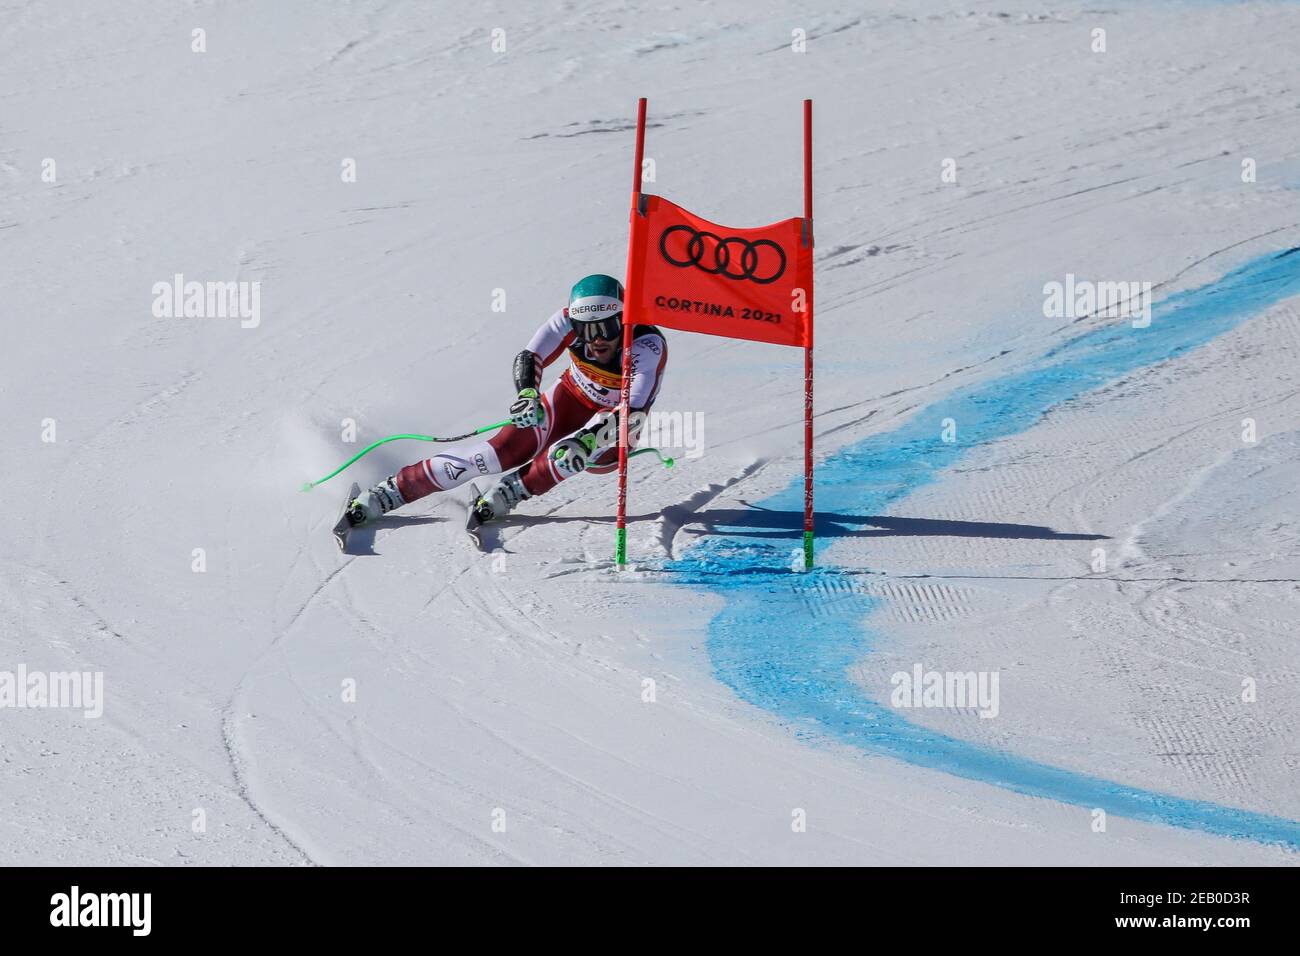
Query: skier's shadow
{"x": 755, "y": 522}
{"x": 361, "y": 541}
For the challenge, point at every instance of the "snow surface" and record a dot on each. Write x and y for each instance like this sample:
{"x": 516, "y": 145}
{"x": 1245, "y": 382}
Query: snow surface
{"x": 510, "y": 686}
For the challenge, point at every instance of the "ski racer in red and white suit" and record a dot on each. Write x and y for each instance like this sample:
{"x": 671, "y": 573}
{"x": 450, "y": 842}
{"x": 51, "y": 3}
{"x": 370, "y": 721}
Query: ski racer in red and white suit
{"x": 569, "y": 428}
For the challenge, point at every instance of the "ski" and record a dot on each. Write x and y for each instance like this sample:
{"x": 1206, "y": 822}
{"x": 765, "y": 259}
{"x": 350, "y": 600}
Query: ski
{"x": 343, "y": 525}
{"x": 473, "y": 523}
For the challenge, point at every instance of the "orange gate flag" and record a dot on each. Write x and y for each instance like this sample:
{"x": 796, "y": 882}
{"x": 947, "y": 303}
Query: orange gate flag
{"x": 687, "y": 273}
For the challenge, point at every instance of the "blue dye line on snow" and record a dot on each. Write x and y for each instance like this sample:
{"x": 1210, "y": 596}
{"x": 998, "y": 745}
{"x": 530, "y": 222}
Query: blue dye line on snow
{"x": 785, "y": 640}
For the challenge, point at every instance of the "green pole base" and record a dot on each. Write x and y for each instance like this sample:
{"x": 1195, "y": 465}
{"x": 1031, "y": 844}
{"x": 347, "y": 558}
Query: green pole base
{"x": 807, "y": 550}
{"x": 620, "y": 547}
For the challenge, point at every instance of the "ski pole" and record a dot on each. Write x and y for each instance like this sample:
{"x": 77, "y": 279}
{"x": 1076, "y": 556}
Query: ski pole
{"x": 308, "y": 486}
{"x": 373, "y": 445}
{"x": 663, "y": 459}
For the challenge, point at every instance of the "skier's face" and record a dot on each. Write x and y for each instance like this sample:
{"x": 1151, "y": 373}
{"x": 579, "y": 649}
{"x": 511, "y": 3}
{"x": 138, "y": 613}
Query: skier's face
{"x": 602, "y": 350}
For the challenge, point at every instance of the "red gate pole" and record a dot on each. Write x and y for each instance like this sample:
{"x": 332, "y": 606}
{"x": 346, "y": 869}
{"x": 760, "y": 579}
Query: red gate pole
{"x": 625, "y": 396}
{"x": 808, "y": 349}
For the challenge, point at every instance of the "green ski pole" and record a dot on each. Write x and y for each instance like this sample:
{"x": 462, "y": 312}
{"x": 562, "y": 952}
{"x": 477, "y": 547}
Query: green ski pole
{"x": 308, "y": 486}
{"x": 373, "y": 445}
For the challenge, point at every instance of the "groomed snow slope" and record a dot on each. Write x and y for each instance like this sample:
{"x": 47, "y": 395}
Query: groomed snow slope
{"x": 510, "y": 685}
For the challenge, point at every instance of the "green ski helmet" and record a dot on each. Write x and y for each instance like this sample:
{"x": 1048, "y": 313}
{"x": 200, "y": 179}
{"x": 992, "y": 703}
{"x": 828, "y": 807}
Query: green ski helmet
{"x": 596, "y": 308}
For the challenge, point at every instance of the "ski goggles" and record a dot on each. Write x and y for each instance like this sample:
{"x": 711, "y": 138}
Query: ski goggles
{"x": 610, "y": 329}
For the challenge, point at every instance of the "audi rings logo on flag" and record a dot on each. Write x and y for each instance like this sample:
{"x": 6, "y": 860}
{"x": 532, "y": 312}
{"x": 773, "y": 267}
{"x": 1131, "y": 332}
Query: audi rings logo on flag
{"x": 761, "y": 261}
{"x": 721, "y": 280}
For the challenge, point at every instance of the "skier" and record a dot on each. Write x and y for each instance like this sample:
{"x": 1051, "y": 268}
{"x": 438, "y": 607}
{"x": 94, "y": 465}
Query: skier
{"x": 553, "y": 435}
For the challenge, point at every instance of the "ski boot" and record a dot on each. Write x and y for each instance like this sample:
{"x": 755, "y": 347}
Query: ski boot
{"x": 375, "y": 502}
{"x": 500, "y": 499}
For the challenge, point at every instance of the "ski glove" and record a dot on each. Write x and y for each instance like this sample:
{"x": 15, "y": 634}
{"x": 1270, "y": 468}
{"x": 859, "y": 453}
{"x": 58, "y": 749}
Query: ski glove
{"x": 527, "y": 411}
{"x": 575, "y": 453}
{"x": 572, "y": 454}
